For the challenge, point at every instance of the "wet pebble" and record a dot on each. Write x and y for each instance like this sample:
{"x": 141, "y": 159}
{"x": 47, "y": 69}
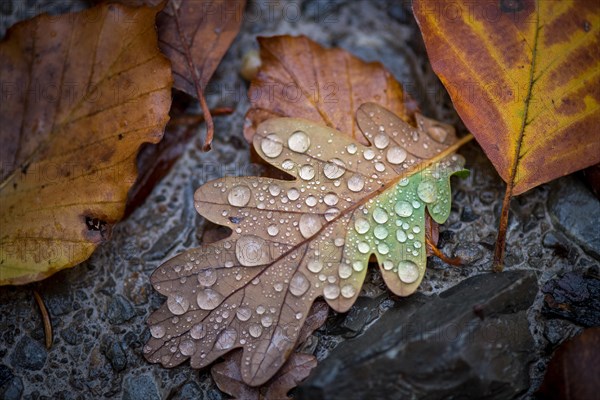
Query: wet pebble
{"x": 468, "y": 252}
{"x": 29, "y": 354}
{"x": 140, "y": 387}
{"x": 119, "y": 310}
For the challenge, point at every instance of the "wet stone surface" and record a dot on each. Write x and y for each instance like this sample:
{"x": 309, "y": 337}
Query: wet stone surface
{"x": 98, "y": 309}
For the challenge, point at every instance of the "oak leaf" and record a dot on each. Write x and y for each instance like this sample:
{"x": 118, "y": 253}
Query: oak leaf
{"x": 524, "y": 77}
{"x": 78, "y": 104}
{"x": 296, "y": 240}
{"x": 195, "y": 35}
{"x": 228, "y": 376}
{"x": 299, "y": 78}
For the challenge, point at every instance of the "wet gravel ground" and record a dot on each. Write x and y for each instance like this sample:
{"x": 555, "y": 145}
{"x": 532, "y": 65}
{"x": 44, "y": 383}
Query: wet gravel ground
{"x": 98, "y": 308}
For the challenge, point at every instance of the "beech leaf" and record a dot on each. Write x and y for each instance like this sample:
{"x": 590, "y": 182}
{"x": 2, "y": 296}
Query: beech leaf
{"x": 524, "y": 77}
{"x": 296, "y": 240}
{"x": 78, "y": 104}
{"x": 195, "y": 35}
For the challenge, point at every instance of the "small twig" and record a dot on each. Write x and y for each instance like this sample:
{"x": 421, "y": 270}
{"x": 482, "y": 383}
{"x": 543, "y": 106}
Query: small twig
{"x": 456, "y": 261}
{"x": 45, "y": 318}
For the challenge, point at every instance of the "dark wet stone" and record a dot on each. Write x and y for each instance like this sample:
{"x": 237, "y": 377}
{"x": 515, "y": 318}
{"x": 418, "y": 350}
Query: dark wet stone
{"x": 114, "y": 352}
{"x": 119, "y": 310}
{"x": 11, "y": 386}
{"x": 350, "y": 324}
{"x": 140, "y": 387}
{"x": 487, "y": 197}
{"x": 165, "y": 244}
{"x": 574, "y": 297}
{"x": 29, "y": 354}
{"x": 468, "y": 215}
{"x": 436, "y": 347}
{"x": 575, "y": 210}
{"x": 468, "y": 252}
{"x": 6, "y": 7}
{"x": 193, "y": 391}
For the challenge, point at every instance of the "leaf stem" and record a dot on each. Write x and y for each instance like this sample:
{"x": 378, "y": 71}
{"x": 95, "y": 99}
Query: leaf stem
{"x": 502, "y": 228}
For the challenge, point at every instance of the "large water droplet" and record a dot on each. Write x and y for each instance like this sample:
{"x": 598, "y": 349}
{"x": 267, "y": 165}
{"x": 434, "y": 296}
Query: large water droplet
{"x": 356, "y": 183}
{"x": 315, "y": 266}
{"x": 243, "y": 313}
{"x": 358, "y": 266}
{"x": 334, "y": 168}
{"x": 226, "y": 339}
{"x": 348, "y": 291}
{"x": 255, "y": 330}
{"x": 331, "y": 291}
{"x": 157, "y": 331}
{"x": 178, "y": 304}
{"x": 331, "y": 199}
{"x": 408, "y": 271}
{"x": 383, "y": 248}
{"x": 379, "y": 215}
{"x": 209, "y": 299}
{"x": 271, "y": 145}
{"x": 207, "y": 277}
{"x": 351, "y": 148}
{"x": 293, "y": 194}
{"x": 369, "y": 154}
{"x": 331, "y": 213}
{"x": 266, "y": 321}
{"x": 364, "y": 247}
{"x": 381, "y": 141}
{"x": 403, "y": 209}
{"x": 344, "y": 271}
{"x": 299, "y": 142}
{"x": 396, "y": 155}
{"x": 306, "y": 172}
{"x": 401, "y": 236}
{"x": 299, "y": 284}
{"x": 380, "y": 232}
{"x": 239, "y": 196}
{"x": 361, "y": 225}
{"x": 187, "y": 347}
{"x": 287, "y": 164}
{"x": 198, "y": 331}
{"x": 251, "y": 250}
{"x": 274, "y": 190}
{"x": 311, "y": 201}
{"x": 388, "y": 265}
{"x": 427, "y": 191}
{"x": 272, "y": 230}
{"x": 309, "y": 225}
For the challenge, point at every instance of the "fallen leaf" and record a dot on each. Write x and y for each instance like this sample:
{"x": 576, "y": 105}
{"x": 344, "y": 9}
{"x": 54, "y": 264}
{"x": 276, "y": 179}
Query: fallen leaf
{"x": 334, "y": 84}
{"x": 300, "y": 79}
{"x": 78, "y": 104}
{"x": 195, "y": 35}
{"x": 296, "y": 240}
{"x": 525, "y": 78}
{"x": 228, "y": 376}
{"x": 154, "y": 161}
{"x": 573, "y": 371}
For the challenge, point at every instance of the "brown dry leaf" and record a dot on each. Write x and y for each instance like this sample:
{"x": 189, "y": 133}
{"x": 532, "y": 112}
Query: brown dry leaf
{"x": 195, "y": 35}
{"x": 525, "y": 78}
{"x": 300, "y": 79}
{"x": 228, "y": 376}
{"x": 80, "y": 104}
{"x": 296, "y": 240}
{"x": 574, "y": 369}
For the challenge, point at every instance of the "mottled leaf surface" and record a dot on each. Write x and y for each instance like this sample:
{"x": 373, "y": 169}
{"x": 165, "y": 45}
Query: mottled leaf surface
{"x": 228, "y": 375}
{"x": 296, "y": 240}
{"x": 299, "y": 78}
{"x": 83, "y": 92}
{"x": 524, "y": 77}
